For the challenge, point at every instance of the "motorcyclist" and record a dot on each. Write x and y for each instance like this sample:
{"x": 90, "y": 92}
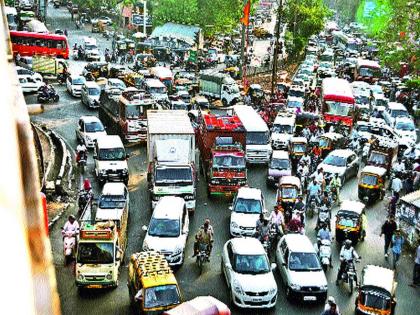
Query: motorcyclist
{"x": 331, "y": 307}
{"x": 305, "y": 159}
{"x": 205, "y": 236}
{"x": 295, "y": 224}
{"x": 336, "y": 184}
{"x": 86, "y": 185}
{"x": 313, "y": 192}
{"x": 264, "y": 231}
{"x": 81, "y": 150}
{"x": 259, "y": 223}
{"x": 71, "y": 225}
{"x": 347, "y": 254}
{"x": 277, "y": 220}
{"x": 323, "y": 234}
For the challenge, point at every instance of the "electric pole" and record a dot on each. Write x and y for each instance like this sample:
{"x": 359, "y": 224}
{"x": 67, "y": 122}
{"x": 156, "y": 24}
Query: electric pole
{"x": 276, "y": 47}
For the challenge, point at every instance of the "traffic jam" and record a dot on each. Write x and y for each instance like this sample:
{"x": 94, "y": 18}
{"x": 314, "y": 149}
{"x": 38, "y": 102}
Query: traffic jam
{"x": 338, "y": 118}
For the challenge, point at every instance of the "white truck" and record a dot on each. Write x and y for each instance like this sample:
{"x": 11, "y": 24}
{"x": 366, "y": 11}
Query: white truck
{"x": 219, "y": 86}
{"x": 171, "y": 156}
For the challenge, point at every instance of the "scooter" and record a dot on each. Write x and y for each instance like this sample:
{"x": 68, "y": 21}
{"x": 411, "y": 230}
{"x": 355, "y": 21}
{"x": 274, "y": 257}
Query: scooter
{"x": 202, "y": 256}
{"x": 84, "y": 197}
{"x": 81, "y": 161}
{"x": 324, "y": 216}
{"x": 69, "y": 243}
{"x": 349, "y": 275}
{"x": 324, "y": 253}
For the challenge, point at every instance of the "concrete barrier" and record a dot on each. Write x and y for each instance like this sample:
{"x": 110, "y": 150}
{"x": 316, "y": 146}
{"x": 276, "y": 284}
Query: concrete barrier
{"x": 35, "y": 109}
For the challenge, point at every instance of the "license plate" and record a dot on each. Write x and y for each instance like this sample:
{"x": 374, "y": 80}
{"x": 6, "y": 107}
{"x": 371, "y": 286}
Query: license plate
{"x": 257, "y": 300}
{"x": 94, "y": 286}
{"x": 309, "y": 298}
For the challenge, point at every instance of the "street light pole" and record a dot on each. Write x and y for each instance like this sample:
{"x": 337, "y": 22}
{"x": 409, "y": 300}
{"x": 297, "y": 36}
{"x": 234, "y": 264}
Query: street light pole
{"x": 276, "y": 47}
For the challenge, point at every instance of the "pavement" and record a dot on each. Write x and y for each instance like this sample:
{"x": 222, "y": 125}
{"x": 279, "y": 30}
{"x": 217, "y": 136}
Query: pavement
{"x": 63, "y": 117}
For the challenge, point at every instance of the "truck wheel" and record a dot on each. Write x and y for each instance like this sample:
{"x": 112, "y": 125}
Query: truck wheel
{"x": 224, "y": 102}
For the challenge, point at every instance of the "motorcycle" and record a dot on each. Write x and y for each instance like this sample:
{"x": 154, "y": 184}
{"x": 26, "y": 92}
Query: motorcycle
{"x": 349, "y": 275}
{"x": 69, "y": 245}
{"x": 324, "y": 253}
{"x": 324, "y": 217}
{"x": 311, "y": 207}
{"x": 202, "y": 256}
{"x": 81, "y": 161}
{"x": 49, "y": 95}
{"x": 62, "y": 77}
{"x": 84, "y": 197}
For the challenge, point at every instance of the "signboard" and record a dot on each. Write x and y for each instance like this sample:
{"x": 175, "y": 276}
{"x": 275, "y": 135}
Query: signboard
{"x": 193, "y": 56}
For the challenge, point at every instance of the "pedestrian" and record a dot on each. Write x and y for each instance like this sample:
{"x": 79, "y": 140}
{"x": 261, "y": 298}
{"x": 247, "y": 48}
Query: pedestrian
{"x": 396, "y": 186}
{"x": 416, "y": 270}
{"x": 397, "y": 244}
{"x": 388, "y": 229}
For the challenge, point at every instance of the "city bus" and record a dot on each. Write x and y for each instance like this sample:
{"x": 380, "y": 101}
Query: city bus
{"x": 29, "y": 44}
{"x": 345, "y": 42}
{"x": 337, "y": 101}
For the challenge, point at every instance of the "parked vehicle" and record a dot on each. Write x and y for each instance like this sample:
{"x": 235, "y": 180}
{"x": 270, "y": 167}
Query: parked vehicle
{"x": 152, "y": 285}
{"x": 29, "y": 83}
{"x": 219, "y": 86}
{"x": 348, "y": 223}
{"x": 372, "y": 182}
{"x": 241, "y": 258}
{"x": 171, "y": 156}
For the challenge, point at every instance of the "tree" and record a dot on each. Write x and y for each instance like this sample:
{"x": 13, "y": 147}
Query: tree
{"x": 304, "y": 18}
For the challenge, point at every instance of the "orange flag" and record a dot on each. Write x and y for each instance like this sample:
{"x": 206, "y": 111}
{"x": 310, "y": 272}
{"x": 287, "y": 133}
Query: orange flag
{"x": 247, "y": 10}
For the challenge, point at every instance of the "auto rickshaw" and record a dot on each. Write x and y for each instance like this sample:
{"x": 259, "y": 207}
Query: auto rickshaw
{"x": 377, "y": 291}
{"x": 117, "y": 71}
{"x": 348, "y": 224}
{"x": 330, "y": 141}
{"x": 133, "y": 79}
{"x": 372, "y": 184}
{"x": 297, "y": 148}
{"x": 289, "y": 188}
{"x": 98, "y": 69}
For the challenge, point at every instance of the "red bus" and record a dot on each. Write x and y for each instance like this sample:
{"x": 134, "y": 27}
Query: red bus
{"x": 337, "y": 101}
{"x": 29, "y": 44}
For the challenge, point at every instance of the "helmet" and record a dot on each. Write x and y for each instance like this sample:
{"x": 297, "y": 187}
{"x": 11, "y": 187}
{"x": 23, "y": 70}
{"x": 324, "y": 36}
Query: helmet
{"x": 347, "y": 243}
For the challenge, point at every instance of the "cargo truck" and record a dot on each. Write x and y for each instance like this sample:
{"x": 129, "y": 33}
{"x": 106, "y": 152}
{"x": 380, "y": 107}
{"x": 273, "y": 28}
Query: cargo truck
{"x": 127, "y": 116}
{"x": 100, "y": 248}
{"x": 219, "y": 86}
{"x": 171, "y": 156}
{"x": 48, "y": 66}
{"x": 221, "y": 140}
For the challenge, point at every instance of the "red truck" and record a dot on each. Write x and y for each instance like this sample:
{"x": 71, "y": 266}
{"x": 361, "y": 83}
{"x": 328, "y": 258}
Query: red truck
{"x": 221, "y": 140}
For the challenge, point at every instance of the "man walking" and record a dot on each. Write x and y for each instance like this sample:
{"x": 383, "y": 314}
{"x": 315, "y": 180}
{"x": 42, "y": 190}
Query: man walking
{"x": 388, "y": 229}
{"x": 397, "y": 244}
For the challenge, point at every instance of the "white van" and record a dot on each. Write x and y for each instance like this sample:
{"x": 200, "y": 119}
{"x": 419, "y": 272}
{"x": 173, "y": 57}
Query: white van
{"x": 110, "y": 160}
{"x": 113, "y": 202}
{"x": 157, "y": 89}
{"x": 283, "y": 129}
{"x": 258, "y": 147}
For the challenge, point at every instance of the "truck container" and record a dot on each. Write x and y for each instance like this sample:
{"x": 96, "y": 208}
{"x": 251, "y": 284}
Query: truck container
{"x": 127, "y": 116}
{"x": 48, "y": 66}
{"x": 221, "y": 140}
{"x": 219, "y": 86}
{"x": 171, "y": 156}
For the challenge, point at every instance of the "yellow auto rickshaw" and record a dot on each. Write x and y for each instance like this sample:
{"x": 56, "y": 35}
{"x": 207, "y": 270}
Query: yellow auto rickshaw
{"x": 377, "y": 291}
{"x": 289, "y": 188}
{"x": 372, "y": 184}
{"x": 330, "y": 141}
{"x": 348, "y": 223}
{"x": 297, "y": 148}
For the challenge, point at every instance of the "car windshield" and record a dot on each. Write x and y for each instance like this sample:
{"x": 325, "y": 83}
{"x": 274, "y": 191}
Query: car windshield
{"x": 280, "y": 164}
{"x": 135, "y": 111}
{"x": 114, "y": 154}
{"x": 251, "y": 264}
{"x": 370, "y": 180}
{"x": 299, "y": 148}
{"x": 111, "y": 202}
{"x": 377, "y": 158}
{"x": 289, "y": 192}
{"x": 334, "y": 160}
{"x": 339, "y": 109}
{"x": 166, "y": 175}
{"x": 79, "y": 81}
{"x": 160, "y": 296}
{"x": 304, "y": 262}
{"x": 248, "y": 206}
{"x": 228, "y": 161}
{"x": 94, "y": 91}
{"x": 323, "y": 142}
{"x": 95, "y": 253}
{"x": 376, "y": 301}
{"x": 296, "y": 93}
{"x": 369, "y": 72}
{"x": 94, "y": 127}
{"x": 164, "y": 227}
{"x": 405, "y": 126}
{"x": 257, "y": 138}
{"x": 157, "y": 90}
{"x": 119, "y": 85}
{"x": 399, "y": 113}
{"x": 282, "y": 129}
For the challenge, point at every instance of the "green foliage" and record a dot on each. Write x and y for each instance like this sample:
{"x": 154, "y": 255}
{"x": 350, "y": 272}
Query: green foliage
{"x": 345, "y": 9}
{"x": 374, "y": 14}
{"x": 304, "y": 18}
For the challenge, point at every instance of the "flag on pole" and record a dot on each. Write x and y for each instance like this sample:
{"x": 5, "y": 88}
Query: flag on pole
{"x": 247, "y": 10}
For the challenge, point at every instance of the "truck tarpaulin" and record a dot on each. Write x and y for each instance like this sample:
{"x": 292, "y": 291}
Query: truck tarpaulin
{"x": 201, "y": 305}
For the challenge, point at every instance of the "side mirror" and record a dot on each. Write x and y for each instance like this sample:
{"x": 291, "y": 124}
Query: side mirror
{"x": 139, "y": 296}
{"x": 144, "y": 228}
{"x": 273, "y": 266}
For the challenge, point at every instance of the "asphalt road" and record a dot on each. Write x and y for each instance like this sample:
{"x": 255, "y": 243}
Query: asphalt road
{"x": 63, "y": 117}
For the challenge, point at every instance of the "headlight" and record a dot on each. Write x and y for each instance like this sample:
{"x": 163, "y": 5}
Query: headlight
{"x": 272, "y": 291}
{"x": 237, "y": 288}
{"x": 89, "y": 139}
{"x": 215, "y": 182}
{"x": 109, "y": 276}
{"x": 234, "y": 225}
{"x": 80, "y": 277}
{"x": 295, "y": 287}
{"x": 271, "y": 177}
{"x": 124, "y": 170}
{"x": 102, "y": 172}
{"x": 323, "y": 287}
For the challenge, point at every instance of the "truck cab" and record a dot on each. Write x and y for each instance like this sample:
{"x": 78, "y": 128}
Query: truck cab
{"x": 219, "y": 86}
{"x": 152, "y": 285}
{"x": 110, "y": 159}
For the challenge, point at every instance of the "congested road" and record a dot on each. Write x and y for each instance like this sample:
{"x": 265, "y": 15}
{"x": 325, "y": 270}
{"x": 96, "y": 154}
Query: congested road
{"x": 62, "y": 118}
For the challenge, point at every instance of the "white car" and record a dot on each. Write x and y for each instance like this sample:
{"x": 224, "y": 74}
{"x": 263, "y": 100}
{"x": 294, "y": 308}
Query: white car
{"x": 248, "y": 274}
{"x": 283, "y": 129}
{"x": 301, "y": 269}
{"x": 345, "y": 163}
{"x": 247, "y": 206}
{"x": 393, "y": 111}
{"x": 25, "y": 71}
{"x": 25, "y": 62}
{"x": 406, "y": 129}
{"x": 168, "y": 229}
{"x": 93, "y": 54}
{"x": 90, "y": 94}
{"x": 29, "y": 83}
{"x": 74, "y": 85}
{"x": 112, "y": 202}
{"x": 89, "y": 128}
{"x": 115, "y": 84}
{"x": 294, "y": 102}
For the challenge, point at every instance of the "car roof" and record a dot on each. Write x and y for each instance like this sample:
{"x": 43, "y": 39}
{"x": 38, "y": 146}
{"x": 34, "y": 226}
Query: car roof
{"x": 280, "y": 154}
{"x": 88, "y": 119}
{"x": 91, "y": 84}
{"x": 249, "y": 193}
{"x": 76, "y": 76}
{"x": 397, "y": 106}
{"x": 247, "y": 246}
{"x": 169, "y": 207}
{"x": 403, "y": 119}
{"x": 352, "y": 206}
{"x": 299, "y": 243}
{"x": 109, "y": 141}
{"x": 342, "y": 152}
{"x": 111, "y": 188}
